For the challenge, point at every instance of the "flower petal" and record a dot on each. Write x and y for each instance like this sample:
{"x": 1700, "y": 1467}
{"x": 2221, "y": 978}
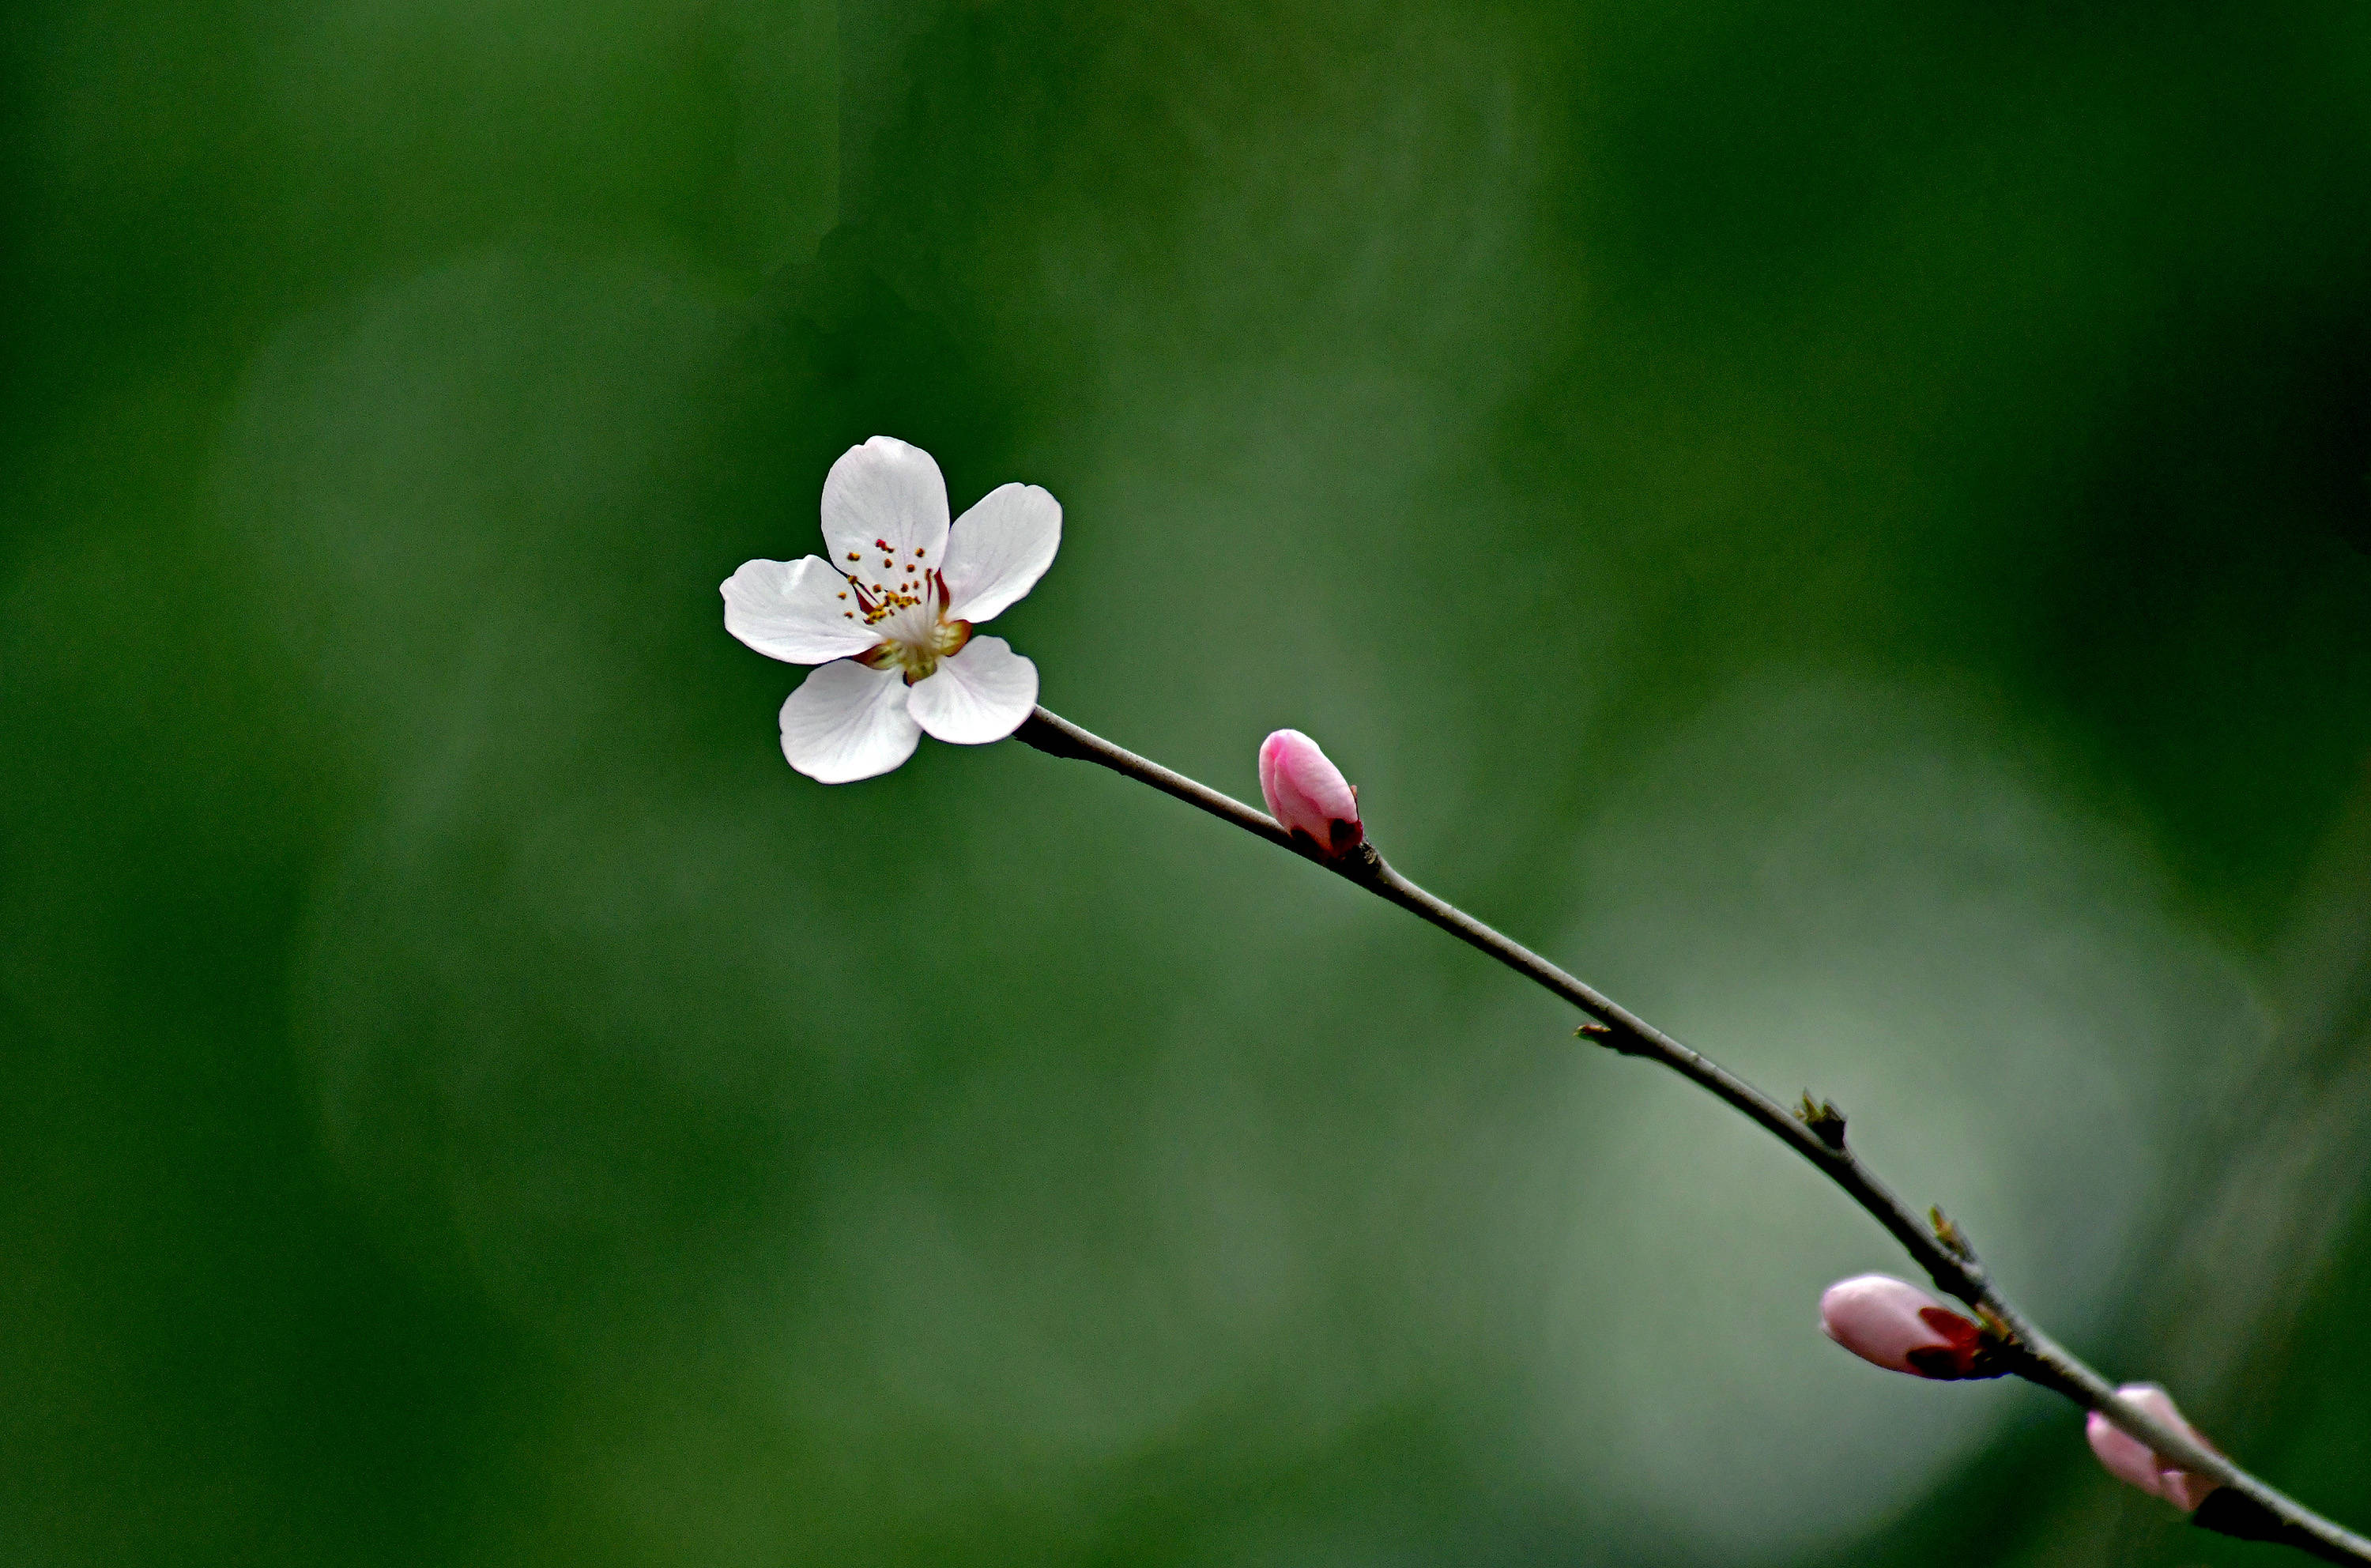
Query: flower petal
{"x": 980, "y": 695}
{"x": 999, "y": 549}
{"x": 884, "y": 502}
{"x": 848, "y": 722}
{"x": 796, "y": 611}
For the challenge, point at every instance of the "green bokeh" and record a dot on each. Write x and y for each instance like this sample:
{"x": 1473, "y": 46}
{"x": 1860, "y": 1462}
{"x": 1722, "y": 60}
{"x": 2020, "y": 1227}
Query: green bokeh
{"x": 1849, "y": 526}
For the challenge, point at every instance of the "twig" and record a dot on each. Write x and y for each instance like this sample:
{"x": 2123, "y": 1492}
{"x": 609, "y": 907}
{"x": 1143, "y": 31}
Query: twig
{"x": 2246, "y": 1506}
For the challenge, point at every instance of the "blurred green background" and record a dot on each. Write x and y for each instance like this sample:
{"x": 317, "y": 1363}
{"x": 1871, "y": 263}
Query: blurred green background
{"x": 1845, "y": 525}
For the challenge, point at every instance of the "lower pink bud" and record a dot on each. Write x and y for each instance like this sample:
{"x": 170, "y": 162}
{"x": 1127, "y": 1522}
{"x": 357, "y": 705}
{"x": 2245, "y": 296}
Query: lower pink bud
{"x": 1307, "y": 794}
{"x": 2134, "y": 1463}
{"x": 1891, "y": 1323}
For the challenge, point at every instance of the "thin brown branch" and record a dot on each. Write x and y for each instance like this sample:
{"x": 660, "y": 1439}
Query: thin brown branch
{"x": 2249, "y": 1507}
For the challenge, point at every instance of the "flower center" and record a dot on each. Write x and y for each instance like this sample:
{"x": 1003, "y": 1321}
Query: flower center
{"x": 904, "y": 603}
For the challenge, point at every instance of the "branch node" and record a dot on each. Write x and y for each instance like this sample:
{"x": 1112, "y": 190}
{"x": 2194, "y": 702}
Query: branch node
{"x": 1826, "y": 1123}
{"x": 1622, "y": 1041}
{"x": 2230, "y": 1512}
{"x": 1954, "y": 1240}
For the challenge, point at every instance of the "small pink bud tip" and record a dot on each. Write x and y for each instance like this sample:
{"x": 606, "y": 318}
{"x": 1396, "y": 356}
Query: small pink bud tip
{"x": 2134, "y": 1463}
{"x": 1308, "y": 795}
{"x": 1891, "y": 1323}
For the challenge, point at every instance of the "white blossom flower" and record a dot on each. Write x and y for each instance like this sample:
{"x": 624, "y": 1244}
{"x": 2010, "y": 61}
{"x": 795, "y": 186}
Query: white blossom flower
{"x": 889, "y": 615}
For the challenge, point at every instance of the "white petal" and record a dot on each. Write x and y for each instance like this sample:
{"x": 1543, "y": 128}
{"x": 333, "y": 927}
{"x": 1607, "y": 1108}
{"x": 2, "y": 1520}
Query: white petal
{"x": 848, "y": 722}
{"x": 980, "y": 695}
{"x": 999, "y": 549}
{"x": 797, "y": 611}
{"x": 883, "y": 501}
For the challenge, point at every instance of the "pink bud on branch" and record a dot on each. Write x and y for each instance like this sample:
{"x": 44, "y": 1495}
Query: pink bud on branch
{"x": 1307, "y": 794}
{"x": 1891, "y": 1323}
{"x": 2135, "y": 1464}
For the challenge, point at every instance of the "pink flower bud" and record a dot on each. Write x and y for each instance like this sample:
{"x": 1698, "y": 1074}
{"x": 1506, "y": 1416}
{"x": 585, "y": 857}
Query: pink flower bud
{"x": 1891, "y": 1323}
{"x": 1308, "y": 795}
{"x": 2134, "y": 1463}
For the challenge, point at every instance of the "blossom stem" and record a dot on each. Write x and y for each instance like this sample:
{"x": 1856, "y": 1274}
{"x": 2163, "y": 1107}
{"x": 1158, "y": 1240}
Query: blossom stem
{"x": 2247, "y": 1507}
